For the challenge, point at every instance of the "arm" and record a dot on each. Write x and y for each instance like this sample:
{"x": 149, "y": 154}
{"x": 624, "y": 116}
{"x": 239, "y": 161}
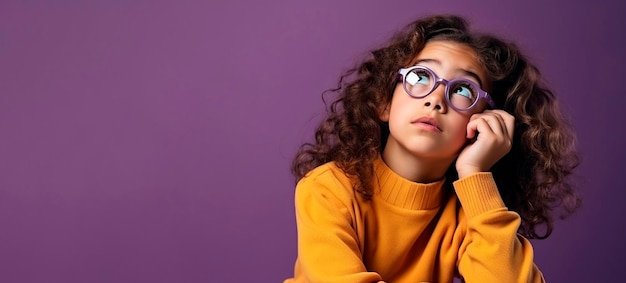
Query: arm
{"x": 492, "y": 251}
{"x": 328, "y": 250}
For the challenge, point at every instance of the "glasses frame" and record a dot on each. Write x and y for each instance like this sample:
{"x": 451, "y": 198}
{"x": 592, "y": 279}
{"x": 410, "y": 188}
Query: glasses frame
{"x": 481, "y": 93}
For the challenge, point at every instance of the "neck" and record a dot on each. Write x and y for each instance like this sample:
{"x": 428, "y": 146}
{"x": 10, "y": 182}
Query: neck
{"x": 415, "y": 168}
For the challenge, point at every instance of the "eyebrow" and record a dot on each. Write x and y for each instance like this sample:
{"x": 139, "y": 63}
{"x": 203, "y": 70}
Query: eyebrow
{"x": 467, "y": 72}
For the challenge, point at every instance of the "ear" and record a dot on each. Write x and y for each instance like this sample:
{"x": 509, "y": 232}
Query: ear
{"x": 383, "y": 113}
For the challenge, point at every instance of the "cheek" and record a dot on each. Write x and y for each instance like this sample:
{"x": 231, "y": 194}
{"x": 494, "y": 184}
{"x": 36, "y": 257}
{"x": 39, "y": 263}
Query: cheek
{"x": 482, "y": 106}
{"x": 401, "y": 103}
{"x": 459, "y": 133}
{"x": 398, "y": 94}
{"x": 458, "y": 129}
{"x": 385, "y": 112}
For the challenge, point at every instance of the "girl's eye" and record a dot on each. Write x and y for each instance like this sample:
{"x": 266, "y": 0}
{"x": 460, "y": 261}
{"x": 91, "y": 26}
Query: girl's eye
{"x": 418, "y": 77}
{"x": 464, "y": 91}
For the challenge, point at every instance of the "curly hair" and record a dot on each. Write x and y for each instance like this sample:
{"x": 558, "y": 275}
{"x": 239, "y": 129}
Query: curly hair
{"x": 531, "y": 178}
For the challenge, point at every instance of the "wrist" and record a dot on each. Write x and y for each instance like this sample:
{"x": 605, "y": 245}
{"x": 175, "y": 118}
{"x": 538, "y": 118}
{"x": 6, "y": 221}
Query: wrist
{"x": 478, "y": 194}
{"x": 467, "y": 171}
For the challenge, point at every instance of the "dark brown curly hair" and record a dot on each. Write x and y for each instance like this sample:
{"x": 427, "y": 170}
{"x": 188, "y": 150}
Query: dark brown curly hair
{"x": 531, "y": 177}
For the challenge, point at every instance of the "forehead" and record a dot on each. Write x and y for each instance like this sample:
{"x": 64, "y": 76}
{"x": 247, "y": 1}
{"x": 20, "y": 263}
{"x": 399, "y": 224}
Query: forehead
{"x": 451, "y": 57}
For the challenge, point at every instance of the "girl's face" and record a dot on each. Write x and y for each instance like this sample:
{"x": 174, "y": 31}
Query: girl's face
{"x": 427, "y": 128}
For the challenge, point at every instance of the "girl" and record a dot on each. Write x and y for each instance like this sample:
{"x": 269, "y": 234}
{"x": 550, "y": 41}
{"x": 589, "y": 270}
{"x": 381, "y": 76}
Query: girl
{"x": 441, "y": 155}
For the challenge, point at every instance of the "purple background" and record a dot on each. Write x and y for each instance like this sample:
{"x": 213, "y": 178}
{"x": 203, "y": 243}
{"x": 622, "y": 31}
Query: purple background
{"x": 150, "y": 141}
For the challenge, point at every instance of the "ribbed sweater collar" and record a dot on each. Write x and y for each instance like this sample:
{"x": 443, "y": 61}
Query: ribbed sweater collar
{"x": 404, "y": 193}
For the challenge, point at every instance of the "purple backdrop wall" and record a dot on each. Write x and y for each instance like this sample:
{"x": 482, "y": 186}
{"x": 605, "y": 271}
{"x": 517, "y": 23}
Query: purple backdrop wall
{"x": 149, "y": 141}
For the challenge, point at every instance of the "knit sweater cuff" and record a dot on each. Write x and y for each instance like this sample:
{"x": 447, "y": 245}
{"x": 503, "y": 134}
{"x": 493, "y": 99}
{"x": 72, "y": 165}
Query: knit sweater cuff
{"x": 478, "y": 193}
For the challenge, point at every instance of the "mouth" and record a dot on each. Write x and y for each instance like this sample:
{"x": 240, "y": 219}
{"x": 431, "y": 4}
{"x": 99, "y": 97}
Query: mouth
{"x": 428, "y": 123}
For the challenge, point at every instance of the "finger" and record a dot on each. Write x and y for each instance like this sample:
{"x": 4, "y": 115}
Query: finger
{"x": 508, "y": 122}
{"x": 497, "y": 123}
{"x": 480, "y": 125}
{"x": 480, "y": 122}
{"x": 491, "y": 121}
{"x": 472, "y": 126}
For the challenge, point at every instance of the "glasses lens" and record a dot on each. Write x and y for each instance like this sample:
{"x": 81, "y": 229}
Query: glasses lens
{"x": 462, "y": 94}
{"x": 419, "y": 82}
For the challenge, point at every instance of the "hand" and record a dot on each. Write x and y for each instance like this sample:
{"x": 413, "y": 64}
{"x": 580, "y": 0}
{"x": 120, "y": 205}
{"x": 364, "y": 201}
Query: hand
{"x": 492, "y": 132}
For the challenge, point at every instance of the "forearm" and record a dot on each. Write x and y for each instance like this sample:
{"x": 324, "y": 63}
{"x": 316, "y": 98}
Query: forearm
{"x": 492, "y": 251}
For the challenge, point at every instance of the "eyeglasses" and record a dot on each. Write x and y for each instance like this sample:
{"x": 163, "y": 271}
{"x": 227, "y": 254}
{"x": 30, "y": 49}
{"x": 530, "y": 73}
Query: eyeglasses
{"x": 461, "y": 94}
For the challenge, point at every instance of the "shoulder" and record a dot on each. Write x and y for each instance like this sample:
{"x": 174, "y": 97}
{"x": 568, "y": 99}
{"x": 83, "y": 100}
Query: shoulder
{"x": 326, "y": 181}
{"x": 326, "y": 174}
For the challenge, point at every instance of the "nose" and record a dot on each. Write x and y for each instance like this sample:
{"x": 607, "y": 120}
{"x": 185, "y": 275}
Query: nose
{"x": 437, "y": 98}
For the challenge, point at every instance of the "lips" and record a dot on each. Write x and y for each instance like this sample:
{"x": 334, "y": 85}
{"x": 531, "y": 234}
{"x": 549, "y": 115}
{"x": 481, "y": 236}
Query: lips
{"x": 427, "y": 122}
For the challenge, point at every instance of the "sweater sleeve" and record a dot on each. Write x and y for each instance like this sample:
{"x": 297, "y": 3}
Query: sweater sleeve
{"x": 492, "y": 251}
{"x": 328, "y": 249}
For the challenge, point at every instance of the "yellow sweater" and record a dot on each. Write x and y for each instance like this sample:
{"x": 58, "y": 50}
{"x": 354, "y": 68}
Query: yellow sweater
{"x": 408, "y": 232}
